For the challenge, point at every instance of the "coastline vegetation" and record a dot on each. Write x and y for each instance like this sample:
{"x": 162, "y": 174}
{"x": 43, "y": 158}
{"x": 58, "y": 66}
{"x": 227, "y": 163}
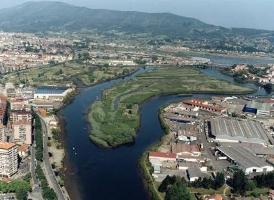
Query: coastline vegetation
{"x": 115, "y": 118}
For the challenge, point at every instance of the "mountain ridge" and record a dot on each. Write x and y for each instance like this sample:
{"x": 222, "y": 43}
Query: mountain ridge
{"x": 46, "y": 16}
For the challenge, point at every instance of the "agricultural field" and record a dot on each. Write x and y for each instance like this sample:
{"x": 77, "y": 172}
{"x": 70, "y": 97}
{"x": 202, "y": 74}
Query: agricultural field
{"x": 115, "y": 118}
{"x": 66, "y": 73}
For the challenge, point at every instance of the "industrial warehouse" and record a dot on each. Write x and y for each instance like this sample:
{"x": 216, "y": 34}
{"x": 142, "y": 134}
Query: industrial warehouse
{"x": 234, "y": 130}
{"x": 226, "y": 135}
{"x": 245, "y": 159}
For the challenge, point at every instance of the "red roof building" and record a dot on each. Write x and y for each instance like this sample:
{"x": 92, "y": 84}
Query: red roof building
{"x": 204, "y": 105}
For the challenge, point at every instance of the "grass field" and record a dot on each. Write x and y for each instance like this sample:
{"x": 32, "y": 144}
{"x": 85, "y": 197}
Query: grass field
{"x": 66, "y": 73}
{"x": 115, "y": 118}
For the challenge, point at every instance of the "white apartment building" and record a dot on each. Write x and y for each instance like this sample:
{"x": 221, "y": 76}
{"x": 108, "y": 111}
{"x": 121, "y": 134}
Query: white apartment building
{"x": 8, "y": 159}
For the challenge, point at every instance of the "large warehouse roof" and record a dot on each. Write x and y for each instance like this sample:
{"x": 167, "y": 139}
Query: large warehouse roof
{"x": 225, "y": 129}
{"x": 50, "y": 90}
{"x": 243, "y": 157}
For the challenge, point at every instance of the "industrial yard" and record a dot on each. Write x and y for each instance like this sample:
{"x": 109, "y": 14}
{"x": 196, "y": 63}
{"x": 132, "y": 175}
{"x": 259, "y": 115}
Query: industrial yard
{"x": 207, "y": 136}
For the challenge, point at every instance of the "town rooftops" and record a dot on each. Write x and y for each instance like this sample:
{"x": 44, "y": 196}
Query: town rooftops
{"x": 162, "y": 154}
{"x": 50, "y": 90}
{"x": 23, "y": 148}
{"x": 6, "y": 145}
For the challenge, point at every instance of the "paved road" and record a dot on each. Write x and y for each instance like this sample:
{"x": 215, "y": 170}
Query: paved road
{"x": 47, "y": 166}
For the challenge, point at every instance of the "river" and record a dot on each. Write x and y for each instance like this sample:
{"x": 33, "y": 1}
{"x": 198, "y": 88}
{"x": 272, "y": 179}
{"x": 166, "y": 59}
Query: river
{"x": 94, "y": 173}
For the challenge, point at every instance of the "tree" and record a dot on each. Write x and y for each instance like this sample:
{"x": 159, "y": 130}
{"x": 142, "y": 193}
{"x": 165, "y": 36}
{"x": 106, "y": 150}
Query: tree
{"x": 49, "y": 194}
{"x": 219, "y": 180}
{"x": 178, "y": 191}
{"x": 167, "y": 182}
{"x": 239, "y": 182}
{"x": 265, "y": 180}
{"x": 22, "y": 194}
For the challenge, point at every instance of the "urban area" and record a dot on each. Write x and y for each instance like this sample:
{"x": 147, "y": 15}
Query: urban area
{"x": 208, "y": 142}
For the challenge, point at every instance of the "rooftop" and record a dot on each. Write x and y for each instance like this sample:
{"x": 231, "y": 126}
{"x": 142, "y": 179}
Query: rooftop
{"x": 259, "y": 106}
{"x": 180, "y": 148}
{"x": 50, "y": 90}
{"x": 239, "y": 130}
{"x": 242, "y": 156}
{"x": 162, "y": 154}
{"x": 6, "y": 145}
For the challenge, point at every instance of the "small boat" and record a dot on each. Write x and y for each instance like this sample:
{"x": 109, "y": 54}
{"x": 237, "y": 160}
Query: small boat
{"x": 73, "y": 148}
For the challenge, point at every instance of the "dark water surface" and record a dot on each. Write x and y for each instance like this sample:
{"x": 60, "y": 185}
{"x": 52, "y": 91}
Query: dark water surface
{"x": 94, "y": 173}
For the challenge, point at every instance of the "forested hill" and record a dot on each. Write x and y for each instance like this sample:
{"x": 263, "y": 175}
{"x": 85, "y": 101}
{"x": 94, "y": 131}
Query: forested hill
{"x": 57, "y": 16}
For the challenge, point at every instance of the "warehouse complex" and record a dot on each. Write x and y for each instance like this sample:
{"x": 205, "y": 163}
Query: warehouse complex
{"x": 233, "y": 130}
{"x": 245, "y": 159}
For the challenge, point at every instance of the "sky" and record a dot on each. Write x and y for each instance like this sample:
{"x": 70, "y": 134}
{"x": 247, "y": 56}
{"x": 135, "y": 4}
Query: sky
{"x": 257, "y": 14}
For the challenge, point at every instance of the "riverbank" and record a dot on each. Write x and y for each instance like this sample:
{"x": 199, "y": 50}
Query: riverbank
{"x": 145, "y": 166}
{"x": 115, "y": 118}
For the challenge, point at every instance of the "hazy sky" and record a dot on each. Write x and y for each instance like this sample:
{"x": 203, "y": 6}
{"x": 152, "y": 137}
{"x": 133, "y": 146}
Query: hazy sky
{"x": 230, "y": 13}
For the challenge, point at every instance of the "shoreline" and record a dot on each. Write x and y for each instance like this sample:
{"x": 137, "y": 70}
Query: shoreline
{"x": 101, "y": 144}
{"x": 144, "y": 164}
{"x": 73, "y": 187}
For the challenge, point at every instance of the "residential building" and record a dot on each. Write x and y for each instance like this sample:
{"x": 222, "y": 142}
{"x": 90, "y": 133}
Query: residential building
{"x": 3, "y": 109}
{"x": 19, "y": 104}
{"x": 21, "y": 123}
{"x": 18, "y": 115}
{"x": 22, "y": 132}
{"x": 8, "y": 159}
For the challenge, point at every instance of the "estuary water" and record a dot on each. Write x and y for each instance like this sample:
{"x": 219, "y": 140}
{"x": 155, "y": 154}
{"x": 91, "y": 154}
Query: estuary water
{"x": 94, "y": 173}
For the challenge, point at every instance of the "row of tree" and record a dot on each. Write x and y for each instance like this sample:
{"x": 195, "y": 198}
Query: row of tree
{"x": 241, "y": 184}
{"x": 175, "y": 188}
{"x": 19, "y": 187}
{"x": 215, "y": 183}
{"x": 38, "y": 138}
{"x": 47, "y": 192}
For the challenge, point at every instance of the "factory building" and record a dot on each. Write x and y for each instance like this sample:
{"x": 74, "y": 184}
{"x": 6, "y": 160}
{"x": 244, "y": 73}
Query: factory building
{"x": 233, "y": 130}
{"x": 204, "y": 105}
{"x": 244, "y": 159}
{"x": 260, "y": 109}
{"x": 51, "y": 93}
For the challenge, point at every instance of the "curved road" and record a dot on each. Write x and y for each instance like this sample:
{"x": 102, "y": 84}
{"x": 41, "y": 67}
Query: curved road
{"x": 47, "y": 166}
